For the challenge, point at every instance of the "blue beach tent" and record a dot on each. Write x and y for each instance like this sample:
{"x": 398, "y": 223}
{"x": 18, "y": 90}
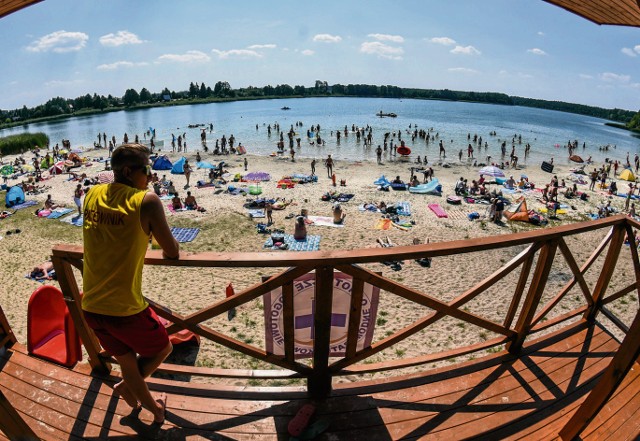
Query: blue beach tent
{"x": 15, "y": 196}
{"x": 162, "y": 163}
{"x": 178, "y": 167}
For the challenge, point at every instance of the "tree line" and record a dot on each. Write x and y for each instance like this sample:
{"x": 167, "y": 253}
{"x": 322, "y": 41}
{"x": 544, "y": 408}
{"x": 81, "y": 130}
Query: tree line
{"x": 222, "y": 91}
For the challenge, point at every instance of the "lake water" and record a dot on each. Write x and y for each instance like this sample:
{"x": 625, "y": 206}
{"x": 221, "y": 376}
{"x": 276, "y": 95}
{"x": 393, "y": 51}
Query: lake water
{"x": 543, "y": 129}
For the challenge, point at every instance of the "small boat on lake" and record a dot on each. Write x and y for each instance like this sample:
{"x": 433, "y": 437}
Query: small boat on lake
{"x": 381, "y": 114}
{"x": 285, "y": 108}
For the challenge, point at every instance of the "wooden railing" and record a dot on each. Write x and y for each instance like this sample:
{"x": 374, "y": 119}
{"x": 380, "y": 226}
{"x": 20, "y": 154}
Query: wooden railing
{"x": 525, "y": 315}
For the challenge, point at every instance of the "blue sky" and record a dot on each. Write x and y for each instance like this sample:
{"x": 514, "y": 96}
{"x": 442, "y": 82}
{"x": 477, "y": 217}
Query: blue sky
{"x": 518, "y": 47}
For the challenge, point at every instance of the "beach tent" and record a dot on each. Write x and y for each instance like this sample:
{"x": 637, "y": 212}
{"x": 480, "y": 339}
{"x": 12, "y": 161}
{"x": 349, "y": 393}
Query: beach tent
{"x": 162, "y": 163}
{"x": 178, "y": 167}
{"x": 56, "y": 169}
{"x": 520, "y": 213}
{"x": 15, "y": 196}
{"x": 627, "y": 175}
{"x": 204, "y": 164}
{"x": 7, "y": 170}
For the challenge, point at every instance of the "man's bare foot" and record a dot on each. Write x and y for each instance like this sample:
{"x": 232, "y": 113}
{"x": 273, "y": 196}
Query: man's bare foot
{"x": 159, "y": 412}
{"x": 122, "y": 390}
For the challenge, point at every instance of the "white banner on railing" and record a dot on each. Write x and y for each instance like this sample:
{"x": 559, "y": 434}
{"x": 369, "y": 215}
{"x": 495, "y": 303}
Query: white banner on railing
{"x": 304, "y": 309}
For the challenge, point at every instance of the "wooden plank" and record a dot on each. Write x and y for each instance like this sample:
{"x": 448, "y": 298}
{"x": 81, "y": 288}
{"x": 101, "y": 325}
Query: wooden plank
{"x": 519, "y": 290}
{"x": 11, "y": 423}
{"x": 319, "y": 383}
{"x": 634, "y": 257}
{"x": 536, "y": 288}
{"x": 607, "y": 270}
{"x": 621, "y": 364}
{"x": 288, "y": 314}
{"x": 355, "y": 315}
{"x": 71, "y": 292}
{"x": 559, "y": 319}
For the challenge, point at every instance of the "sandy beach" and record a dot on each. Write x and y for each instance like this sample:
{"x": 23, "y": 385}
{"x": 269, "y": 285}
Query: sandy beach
{"x": 227, "y": 226}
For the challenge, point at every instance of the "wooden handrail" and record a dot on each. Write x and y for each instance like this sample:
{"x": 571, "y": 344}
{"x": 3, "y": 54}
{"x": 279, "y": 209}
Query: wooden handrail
{"x": 542, "y": 246}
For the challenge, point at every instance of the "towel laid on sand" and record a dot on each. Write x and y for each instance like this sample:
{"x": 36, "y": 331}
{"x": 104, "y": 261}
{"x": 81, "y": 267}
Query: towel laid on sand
{"x": 24, "y": 205}
{"x": 59, "y": 212}
{"x": 403, "y": 208}
{"x": 383, "y": 224}
{"x": 183, "y": 235}
{"x": 256, "y": 213}
{"x": 311, "y": 244}
{"x": 74, "y": 219}
{"x": 324, "y": 221}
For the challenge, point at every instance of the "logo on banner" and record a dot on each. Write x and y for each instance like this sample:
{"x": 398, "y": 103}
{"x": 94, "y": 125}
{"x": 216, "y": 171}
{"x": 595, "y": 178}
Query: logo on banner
{"x": 304, "y": 307}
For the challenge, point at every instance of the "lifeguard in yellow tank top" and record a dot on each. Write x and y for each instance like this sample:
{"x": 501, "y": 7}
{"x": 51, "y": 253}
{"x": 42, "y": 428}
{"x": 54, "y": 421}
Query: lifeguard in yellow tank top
{"x": 119, "y": 293}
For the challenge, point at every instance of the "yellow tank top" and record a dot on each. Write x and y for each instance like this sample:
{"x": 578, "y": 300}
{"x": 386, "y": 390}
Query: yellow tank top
{"x": 114, "y": 248}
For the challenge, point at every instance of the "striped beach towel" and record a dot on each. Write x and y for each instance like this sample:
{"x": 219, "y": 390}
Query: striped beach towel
{"x": 183, "y": 235}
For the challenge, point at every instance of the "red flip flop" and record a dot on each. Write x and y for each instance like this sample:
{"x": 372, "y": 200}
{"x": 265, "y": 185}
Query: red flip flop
{"x": 301, "y": 420}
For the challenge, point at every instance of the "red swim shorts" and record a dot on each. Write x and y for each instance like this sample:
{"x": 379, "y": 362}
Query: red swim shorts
{"x": 141, "y": 333}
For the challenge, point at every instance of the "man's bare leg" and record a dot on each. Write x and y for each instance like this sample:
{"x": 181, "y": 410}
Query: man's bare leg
{"x": 134, "y": 371}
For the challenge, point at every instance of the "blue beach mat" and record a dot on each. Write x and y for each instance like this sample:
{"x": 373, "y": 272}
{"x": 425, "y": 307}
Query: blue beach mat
{"x": 25, "y": 204}
{"x": 73, "y": 220}
{"x": 311, "y": 244}
{"x": 257, "y": 213}
{"x": 59, "y": 212}
{"x": 183, "y": 235}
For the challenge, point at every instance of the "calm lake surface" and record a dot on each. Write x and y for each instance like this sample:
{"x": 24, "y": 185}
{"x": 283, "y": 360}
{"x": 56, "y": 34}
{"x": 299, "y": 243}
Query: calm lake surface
{"x": 547, "y": 131}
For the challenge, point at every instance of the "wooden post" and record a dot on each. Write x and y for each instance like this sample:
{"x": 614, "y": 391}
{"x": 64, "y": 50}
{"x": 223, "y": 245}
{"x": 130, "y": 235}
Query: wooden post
{"x": 538, "y": 284}
{"x": 73, "y": 299}
{"x": 625, "y": 358}
{"x": 288, "y": 314}
{"x": 7, "y": 337}
{"x": 12, "y": 424}
{"x": 319, "y": 382}
{"x": 615, "y": 245}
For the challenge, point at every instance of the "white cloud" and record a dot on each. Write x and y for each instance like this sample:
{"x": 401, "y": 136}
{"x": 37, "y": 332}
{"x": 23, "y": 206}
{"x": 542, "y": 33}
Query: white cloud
{"x": 387, "y": 37}
{"x": 465, "y": 50}
{"x": 59, "y": 42}
{"x": 262, "y": 46}
{"x": 120, "y": 38}
{"x": 240, "y": 53}
{"x": 503, "y": 72}
{"x": 536, "y": 51}
{"x": 120, "y": 64}
{"x": 463, "y": 70}
{"x": 526, "y": 76}
{"x": 62, "y": 83}
{"x": 382, "y": 50}
{"x": 445, "y": 41}
{"x": 307, "y": 52}
{"x": 327, "y": 38}
{"x": 628, "y": 51}
{"x": 586, "y": 76}
{"x": 187, "y": 57}
{"x": 540, "y": 33}
{"x": 611, "y": 77}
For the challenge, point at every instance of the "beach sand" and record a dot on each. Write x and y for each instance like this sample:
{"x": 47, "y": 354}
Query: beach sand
{"x": 226, "y": 227}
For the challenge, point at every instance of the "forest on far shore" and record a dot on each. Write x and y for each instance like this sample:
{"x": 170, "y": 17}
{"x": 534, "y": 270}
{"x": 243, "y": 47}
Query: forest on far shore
{"x": 200, "y": 93}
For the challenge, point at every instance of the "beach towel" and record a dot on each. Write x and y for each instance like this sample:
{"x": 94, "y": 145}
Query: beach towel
{"x": 383, "y": 224}
{"x": 59, "y": 212}
{"x": 438, "y": 210}
{"x": 74, "y": 219}
{"x": 311, "y": 244}
{"x": 25, "y": 204}
{"x": 403, "y": 208}
{"x": 324, "y": 221}
{"x": 173, "y": 210}
{"x": 183, "y": 235}
{"x": 257, "y": 213}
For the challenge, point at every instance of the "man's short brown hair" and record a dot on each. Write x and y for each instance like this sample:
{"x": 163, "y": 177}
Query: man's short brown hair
{"x": 129, "y": 155}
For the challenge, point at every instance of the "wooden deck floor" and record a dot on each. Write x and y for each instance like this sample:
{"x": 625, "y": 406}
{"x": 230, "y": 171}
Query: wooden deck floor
{"x": 496, "y": 397}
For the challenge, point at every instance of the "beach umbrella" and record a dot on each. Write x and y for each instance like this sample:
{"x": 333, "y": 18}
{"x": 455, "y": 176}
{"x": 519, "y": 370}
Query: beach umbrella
{"x": 576, "y": 158}
{"x": 6, "y": 170}
{"x": 627, "y": 175}
{"x": 204, "y": 164}
{"x": 492, "y": 170}
{"x": 105, "y": 177}
{"x": 257, "y": 176}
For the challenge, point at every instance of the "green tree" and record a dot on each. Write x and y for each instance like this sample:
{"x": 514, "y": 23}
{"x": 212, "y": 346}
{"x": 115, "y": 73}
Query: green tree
{"x": 131, "y": 98}
{"x": 145, "y": 95}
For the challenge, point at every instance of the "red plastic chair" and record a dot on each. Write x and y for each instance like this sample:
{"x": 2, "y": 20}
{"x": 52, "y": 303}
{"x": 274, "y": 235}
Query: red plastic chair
{"x": 51, "y": 333}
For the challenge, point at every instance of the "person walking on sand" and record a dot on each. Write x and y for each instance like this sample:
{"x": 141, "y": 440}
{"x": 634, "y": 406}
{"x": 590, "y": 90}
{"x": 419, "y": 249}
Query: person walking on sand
{"x": 113, "y": 303}
{"x": 246, "y": 163}
{"x": 313, "y": 167}
{"x": 329, "y": 164}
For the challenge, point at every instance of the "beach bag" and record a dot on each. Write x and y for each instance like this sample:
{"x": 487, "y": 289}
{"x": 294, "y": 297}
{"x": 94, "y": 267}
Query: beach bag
{"x": 474, "y": 215}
